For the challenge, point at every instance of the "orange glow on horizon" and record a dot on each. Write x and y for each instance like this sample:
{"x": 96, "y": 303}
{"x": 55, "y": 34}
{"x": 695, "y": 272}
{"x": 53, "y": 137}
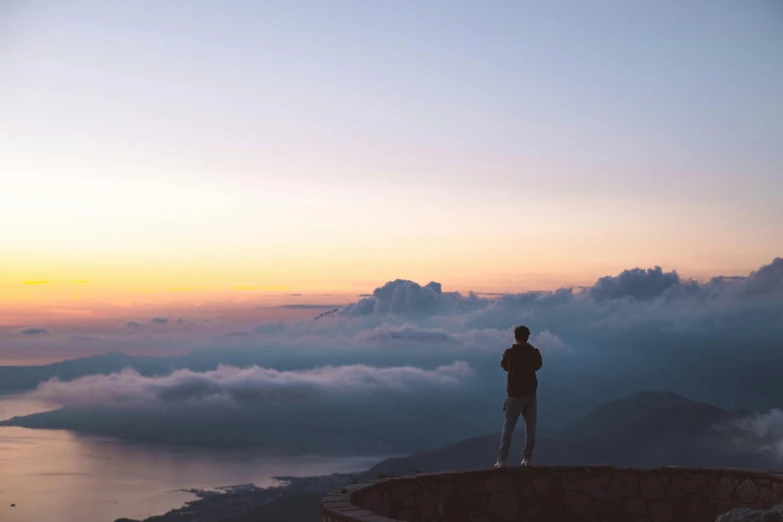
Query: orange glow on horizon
{"x": 128, "y": 294}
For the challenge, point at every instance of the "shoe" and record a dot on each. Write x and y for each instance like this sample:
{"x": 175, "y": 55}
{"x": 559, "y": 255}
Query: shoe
{"x": 526, "y": 463}
{"x": 500, "y": 464}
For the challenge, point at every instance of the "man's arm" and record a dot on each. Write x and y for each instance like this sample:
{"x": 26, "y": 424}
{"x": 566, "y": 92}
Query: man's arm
{"x": 504, "y": 361}
{"x": 537, "y": 362}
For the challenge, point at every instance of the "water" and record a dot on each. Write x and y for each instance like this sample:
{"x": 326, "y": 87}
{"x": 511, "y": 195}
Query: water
{"x": 58, "y": 476}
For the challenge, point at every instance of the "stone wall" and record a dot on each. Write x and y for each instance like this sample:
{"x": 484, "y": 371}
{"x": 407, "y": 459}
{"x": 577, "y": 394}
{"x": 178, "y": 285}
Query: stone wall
{"x": 589, "y": 494}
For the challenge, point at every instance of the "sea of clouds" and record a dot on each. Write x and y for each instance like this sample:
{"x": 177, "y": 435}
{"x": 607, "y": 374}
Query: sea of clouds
{"x": 718, "y": 341}
{"x": 232, "y": 386}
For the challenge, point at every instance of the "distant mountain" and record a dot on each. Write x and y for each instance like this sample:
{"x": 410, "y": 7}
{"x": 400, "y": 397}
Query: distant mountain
{"x": 400, "y": 426}
{"x": 644, "y": 430}
{"x": 15, "y": 379}
{"x": 622, "y": 414}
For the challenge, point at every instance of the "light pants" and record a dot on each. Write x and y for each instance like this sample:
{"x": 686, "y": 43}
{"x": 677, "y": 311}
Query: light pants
{"x": 514, "y": 406}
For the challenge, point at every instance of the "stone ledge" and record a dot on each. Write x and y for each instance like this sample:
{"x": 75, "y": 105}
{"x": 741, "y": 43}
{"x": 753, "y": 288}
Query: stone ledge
{"x": 552, "y": 493}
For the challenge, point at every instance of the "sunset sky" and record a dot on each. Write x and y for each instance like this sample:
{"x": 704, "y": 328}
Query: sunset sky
{"x": 226, "y": 155}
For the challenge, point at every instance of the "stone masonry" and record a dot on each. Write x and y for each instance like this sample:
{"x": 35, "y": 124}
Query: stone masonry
{"x": 554, "y": 494}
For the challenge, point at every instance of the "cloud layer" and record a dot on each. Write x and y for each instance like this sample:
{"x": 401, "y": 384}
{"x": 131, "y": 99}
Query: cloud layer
{"x": 241, "y": 386}
{"x": 716, "y": 341}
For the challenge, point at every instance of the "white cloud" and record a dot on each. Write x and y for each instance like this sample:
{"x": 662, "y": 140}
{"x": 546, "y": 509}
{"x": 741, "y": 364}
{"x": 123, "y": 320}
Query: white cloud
{"x": 548, "y": 341}
{"x": 232, "y": 385}
{"x": 402, "y": 297}
{"x": 762, "y": 432}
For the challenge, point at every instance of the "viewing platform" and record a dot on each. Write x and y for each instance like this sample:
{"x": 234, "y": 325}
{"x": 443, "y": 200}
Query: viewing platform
{"x": 555, "y": 494}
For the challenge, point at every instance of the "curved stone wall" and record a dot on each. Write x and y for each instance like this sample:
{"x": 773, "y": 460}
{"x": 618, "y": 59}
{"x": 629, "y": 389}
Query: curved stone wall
{"x": 589, "y": 494}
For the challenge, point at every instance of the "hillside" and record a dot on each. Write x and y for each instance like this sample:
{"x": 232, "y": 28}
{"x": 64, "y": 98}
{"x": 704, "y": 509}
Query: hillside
{"x": 354, "y": 429}
{"x": 619, "y": 414}
{"x": 302, "y": 507}
{"x": 644, "y": 430}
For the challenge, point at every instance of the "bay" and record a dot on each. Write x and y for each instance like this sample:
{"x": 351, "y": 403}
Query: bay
{"x": 60, "y": 476}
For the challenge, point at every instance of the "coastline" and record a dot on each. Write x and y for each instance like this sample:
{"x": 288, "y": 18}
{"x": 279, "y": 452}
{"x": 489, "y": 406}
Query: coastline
{"x": 222, "y": 503}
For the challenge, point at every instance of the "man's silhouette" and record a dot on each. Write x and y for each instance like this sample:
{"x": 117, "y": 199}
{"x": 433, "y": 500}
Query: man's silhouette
{"x": 521, "y": 361}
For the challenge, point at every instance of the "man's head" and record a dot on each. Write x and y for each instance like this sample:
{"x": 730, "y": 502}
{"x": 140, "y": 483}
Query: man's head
{"x": 521, "y": 334}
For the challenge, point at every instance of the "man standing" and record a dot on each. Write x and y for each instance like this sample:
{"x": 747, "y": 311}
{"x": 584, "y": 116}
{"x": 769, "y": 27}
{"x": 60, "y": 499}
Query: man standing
{"x": 521, "y": 361}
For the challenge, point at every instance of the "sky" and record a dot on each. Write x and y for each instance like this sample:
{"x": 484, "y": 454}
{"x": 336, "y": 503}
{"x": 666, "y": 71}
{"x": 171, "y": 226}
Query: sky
{"x": 160, "y": 157}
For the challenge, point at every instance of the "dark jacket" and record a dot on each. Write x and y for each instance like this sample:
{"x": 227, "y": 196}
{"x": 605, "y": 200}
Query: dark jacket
{"x": 521, "y": 361}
